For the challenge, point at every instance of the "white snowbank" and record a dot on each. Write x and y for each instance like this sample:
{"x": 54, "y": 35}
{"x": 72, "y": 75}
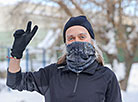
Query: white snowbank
{"x": 119, "y": 69}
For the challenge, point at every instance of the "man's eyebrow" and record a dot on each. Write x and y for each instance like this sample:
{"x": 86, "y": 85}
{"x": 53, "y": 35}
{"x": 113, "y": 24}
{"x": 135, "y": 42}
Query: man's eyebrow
{"x": 69, "y": 35}
{"x": 82, "y": 33}
{"x": 77, "y": 34}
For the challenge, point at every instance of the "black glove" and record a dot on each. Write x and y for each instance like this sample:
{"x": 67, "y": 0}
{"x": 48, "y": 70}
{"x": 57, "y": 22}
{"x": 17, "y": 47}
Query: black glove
{"x": 22, "y": 39}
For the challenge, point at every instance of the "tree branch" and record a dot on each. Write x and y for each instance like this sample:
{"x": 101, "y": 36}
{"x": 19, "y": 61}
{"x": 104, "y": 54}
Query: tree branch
{"x": 77, "y": 6}
{"x": 64, "y": 6}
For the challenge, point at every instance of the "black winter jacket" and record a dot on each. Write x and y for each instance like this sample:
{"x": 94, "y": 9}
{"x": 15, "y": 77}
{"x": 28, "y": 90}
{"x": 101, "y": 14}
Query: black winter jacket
{"x": 58, "y": 84}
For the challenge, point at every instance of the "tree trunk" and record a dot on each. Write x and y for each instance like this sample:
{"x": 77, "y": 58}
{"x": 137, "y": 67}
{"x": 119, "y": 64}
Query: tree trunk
{"x": 124, "y": 82}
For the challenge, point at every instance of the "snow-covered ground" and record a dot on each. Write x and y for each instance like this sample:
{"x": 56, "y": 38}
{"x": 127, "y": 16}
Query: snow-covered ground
{"x": 15, "y": 96}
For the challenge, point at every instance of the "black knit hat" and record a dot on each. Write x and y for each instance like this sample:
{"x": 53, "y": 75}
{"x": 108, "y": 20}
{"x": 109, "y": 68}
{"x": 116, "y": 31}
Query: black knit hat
{"x": 81, "y": 21}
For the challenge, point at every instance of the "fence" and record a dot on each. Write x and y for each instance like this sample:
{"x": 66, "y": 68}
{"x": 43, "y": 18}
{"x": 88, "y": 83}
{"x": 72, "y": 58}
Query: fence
{"x": 5, "y": 51}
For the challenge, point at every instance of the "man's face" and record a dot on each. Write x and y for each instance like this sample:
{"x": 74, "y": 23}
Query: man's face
{"x": 78, "y": 33}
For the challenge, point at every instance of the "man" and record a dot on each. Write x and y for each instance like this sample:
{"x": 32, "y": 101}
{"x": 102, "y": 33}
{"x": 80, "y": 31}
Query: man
{"x": 79, "y": 76}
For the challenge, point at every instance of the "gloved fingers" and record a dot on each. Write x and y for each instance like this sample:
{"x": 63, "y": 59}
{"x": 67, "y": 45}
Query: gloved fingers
{"x": 28, "y": 29}
{"x": 18, "y": 33}
{"x": 34, "y": 31}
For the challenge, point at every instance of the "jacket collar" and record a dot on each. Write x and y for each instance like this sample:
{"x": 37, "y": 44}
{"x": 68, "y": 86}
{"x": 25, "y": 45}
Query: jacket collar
{"x": 90, "y": 70}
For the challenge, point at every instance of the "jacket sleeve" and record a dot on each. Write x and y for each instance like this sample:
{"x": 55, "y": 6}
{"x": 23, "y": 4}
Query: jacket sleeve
{"x": 113, "y": 93}
{"x": 30, "y": 81}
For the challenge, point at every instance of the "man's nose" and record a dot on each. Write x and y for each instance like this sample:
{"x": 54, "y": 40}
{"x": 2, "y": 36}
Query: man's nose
{"x": 77, "y": 39}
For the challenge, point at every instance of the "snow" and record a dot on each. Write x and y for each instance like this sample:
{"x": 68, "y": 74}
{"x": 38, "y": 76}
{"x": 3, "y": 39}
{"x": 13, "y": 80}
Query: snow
{"x": 119, "y": 69}
{"x": 128, "y": 29}
{"x": 131, "y": 95}
{"x": 132, "y": 36}
{"x": 111, "y": 46}
{"x": 129, "y": 46}
{"x": 3, "y": 66}
{"x": 48, "y": 42}
{"x": 8, "y": 95}
{"x": 15, "y": 96}
{"x": 136, "y": 28}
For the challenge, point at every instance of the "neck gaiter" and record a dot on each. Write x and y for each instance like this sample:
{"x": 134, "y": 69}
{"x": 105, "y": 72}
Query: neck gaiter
{"x": 79, "y": 56}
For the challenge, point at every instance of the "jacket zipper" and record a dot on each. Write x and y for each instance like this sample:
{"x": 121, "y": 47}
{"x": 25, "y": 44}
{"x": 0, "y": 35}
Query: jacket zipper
{"x": 76, "y": 83}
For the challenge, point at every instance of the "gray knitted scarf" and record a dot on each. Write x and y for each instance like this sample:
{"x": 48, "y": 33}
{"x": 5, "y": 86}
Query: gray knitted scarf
{"x": 79, "y": 56}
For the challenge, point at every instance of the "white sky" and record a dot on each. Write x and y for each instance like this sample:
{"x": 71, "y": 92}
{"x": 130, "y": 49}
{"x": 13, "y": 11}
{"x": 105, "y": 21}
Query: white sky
{"x": 5, "y": 2}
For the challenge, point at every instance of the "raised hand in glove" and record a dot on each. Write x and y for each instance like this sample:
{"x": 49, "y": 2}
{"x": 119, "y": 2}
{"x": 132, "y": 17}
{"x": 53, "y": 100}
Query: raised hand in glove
{"x": 22, "y": 39}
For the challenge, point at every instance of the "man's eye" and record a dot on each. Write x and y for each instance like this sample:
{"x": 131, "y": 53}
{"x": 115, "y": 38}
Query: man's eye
{"x": 69, "y": 39}
{"x": 82, "y": 37}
